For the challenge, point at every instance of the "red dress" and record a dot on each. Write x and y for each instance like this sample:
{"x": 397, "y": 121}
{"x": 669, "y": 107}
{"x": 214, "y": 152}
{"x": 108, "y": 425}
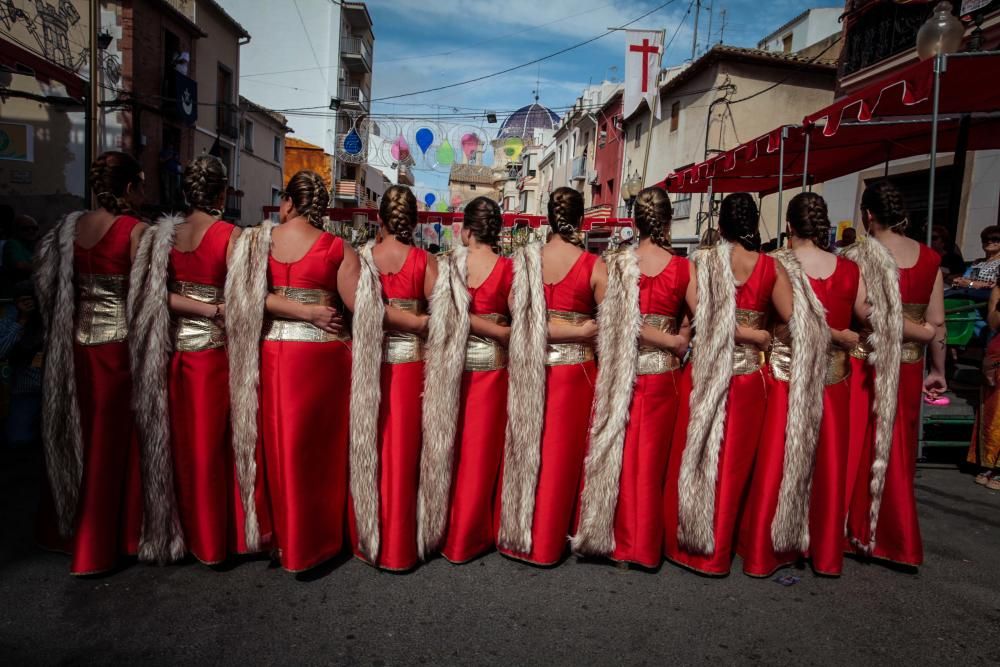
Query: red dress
{"x": 837, "y": 293}
{"x": 482, "y": 423}
{"x": 400, "y": 433}
{"x": 745, "y": 410}
{"x": 304, "y": 399}
{"x": 569, "y": 395}
{"x": 208, "y": 498}
{"x": 652, "y": 418}
{"x": 898, "y": 529}
{"x": 109, "y": 513}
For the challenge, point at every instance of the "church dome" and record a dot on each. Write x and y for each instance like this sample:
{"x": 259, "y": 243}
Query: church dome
{"x": 523, "y": 122}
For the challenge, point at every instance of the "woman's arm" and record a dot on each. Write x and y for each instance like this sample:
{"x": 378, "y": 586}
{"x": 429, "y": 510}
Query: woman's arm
{"x": 188, "y": 307}
{"x": 233, "y": 238}
{"x": 134, "y": 239}
{"x": 323, "y": 317}
{"x": 935, "y": 383}
{"x": 652, "y": 337}
{"x": 759, "y": 338}
{"x": 599, "y": 280}
{"x": 564, "y": 332}
{"x": 781, "y": 294}
{"x": 480, "y": 326}
{"x": 347, "y": 277}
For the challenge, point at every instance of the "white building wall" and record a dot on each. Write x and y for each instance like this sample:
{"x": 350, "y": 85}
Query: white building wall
{"x": 819, "y": 24}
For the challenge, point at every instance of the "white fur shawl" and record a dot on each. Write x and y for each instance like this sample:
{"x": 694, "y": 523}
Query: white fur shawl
{"x": 619, "y": 322}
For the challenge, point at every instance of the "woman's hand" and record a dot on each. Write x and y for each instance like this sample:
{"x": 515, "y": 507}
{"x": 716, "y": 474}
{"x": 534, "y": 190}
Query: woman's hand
{"x": 847, "y": 339}
{"x": 935, "y": 384}
{"x": 326, "y": 318}
{"x": 219, "y": 316}
{"x": 763, "y": 340}
{"x": 588, "y": 331}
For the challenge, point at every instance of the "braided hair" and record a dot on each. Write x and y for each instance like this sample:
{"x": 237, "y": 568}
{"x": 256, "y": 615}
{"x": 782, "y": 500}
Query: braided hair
{"x": 309, "y": 196}
{"x": 883, "y": 201}
{"x": 808, "y": 217}
{"x": 483, "y": 220}
{"x": 398, "y": 213}
{"x": 110, "y": 175}
{"x": 566, "y": 214}
{"x": 653, "y": 215}
{"x": 739, "y": 220}
{"x": 204, "y": 182}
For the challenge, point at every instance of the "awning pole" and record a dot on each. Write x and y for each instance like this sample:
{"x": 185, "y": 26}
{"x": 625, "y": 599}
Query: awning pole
{"x": 805, "y": 162}
{"x": 781, "y": 179}
{"x": 711, "y": 182}
{"x": 940, "y": 65}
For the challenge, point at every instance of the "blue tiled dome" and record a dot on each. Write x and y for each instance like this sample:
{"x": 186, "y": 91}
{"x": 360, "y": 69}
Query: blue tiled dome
{"x": 525, "y": 120}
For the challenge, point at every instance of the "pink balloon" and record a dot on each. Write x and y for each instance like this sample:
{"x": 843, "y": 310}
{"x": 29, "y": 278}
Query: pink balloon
{"x": 470, "y": 142}
{"x": 400, "y": 149}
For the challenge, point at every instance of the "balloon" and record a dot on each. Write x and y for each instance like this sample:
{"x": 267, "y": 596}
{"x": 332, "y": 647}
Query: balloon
{"x": 443, "y": 207}
{"x": 512, "y": 149}
{"x": 445, "y": 154}
{"x": 429, "y": 199}
{"x": 424, "y": 139}
{"x": 456, "y": 201}
{"x": 352, "y": 143}
{"x": 400, "y": 149}
{"x": 437, "y": 226}
{"x": 470, "y": 143}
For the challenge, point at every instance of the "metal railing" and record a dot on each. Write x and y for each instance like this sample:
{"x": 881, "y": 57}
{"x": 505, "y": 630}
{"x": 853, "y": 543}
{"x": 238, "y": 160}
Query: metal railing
{"x": 354, "y": 94}
{"x": 356, "y": 46}
{"x": 346, "y": 189}
{"x": 578, "y": 171}
{"x": 226, "y": 115}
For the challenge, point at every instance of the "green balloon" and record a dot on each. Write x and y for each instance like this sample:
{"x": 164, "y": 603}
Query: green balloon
{"x": 445, "y": 153}
{"x": 442, "y": 207}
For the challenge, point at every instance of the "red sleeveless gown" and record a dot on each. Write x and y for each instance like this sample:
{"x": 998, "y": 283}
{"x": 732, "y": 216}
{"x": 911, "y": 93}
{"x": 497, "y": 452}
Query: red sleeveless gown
{"x": 304, "y": 426}
{"x": 898, "y": 531}
{"x": 109, "y": 513}
{"x": 837, "y": 293}
{"x": 569, "y": 396}
{"x": 482, "y": 423}
{"x": 208, "y": 496}
{"x": 400, "y": 432}
{"x": 745, "y": 409}
{"x": 652, "y": 419}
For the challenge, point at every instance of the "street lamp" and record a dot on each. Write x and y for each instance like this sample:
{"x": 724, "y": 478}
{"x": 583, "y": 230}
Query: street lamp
{"x": 942, "y": 33}
{"x": 630, "y": 189}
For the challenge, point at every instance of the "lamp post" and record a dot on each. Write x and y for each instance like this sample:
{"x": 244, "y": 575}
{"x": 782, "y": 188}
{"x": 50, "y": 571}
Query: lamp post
{"x": 630, "y": 189}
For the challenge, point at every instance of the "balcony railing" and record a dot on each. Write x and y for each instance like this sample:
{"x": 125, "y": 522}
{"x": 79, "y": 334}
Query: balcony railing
{"x": 226, "y": 119}
{"x": 357, "y": 95}
{"x": 346, "y": 189}
{"x": 234, "y": 207}
{"x": 356, "y": 48}
{"x": 578, "y": 171}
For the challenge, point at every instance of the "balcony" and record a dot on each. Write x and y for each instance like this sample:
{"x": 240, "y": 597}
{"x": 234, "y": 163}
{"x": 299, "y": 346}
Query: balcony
{"x": 355, "y": 96}
{"x": 592, "y": 177}
{"x": 578, "y": 171}
{"x": 226, "y": 115}
{"x": 347, "y": 189}
{"x": 234, "y": 205}
{"x": 356, "y": 53}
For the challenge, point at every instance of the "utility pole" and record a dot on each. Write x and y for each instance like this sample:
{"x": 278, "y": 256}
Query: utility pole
{"x": 722, "y": 30}
{"x": 694, "y": 40}
{"x": 92, "y": 125}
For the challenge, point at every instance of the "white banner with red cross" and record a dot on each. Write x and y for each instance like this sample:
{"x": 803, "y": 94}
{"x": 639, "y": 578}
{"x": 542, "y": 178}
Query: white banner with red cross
{"x": 643, "y": 51}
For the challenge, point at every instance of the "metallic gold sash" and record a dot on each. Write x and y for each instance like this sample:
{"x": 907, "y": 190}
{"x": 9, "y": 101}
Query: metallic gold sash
{"x": 101, "y": 309}
{"x": 653, "y": 360}
{"x": 912, "y": 351}
{"x": 486, "y": 354}
{"x": 748, "y": 358}
{"x": 863, "y": 349}
{"x": 566, "y": 354}
{"x": 298, "y": 330}
{"x": 400, "y": 347}
{"x": 780, "y": 359}
{"x": 193, "y": 334}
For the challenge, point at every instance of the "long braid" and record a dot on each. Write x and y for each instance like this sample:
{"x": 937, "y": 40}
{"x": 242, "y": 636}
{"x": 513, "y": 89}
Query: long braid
{"x": 653, "y": 216}
{"x": 483, "y": 219}
{"x": 309, "y": 196}
{"x": 887, "y": 204}
{"x": 204, "y": 182}
{"x": 398, "y": 213}
{"x": 566, "y": 214}
{"x": 739, "y": 220}
{"x": 808, "y": 217}
{"x": 110, "y": 175}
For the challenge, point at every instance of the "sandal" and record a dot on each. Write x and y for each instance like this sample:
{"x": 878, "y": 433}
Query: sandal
{"x": 984, "y": 477}
{"x": 994, "y": 483}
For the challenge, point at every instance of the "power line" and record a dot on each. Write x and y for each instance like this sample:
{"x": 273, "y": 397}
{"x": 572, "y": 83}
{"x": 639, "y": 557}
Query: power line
{"x": 781, "y": 81}
{"x": 306, "y": 31}
{"x": 679, "y": 24}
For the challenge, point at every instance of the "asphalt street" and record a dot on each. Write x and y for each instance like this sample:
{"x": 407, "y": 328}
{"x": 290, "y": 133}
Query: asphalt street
{"x": 496, "y": 611}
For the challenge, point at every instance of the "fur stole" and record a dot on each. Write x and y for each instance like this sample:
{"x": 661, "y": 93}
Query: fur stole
{"x": 619, "y": 322}
{"x": 150, "y": 347}
{"x": 810, "y": 336}
{"x": 714, "y": 341}
{"x": 449, "y": 330}
{"x": 366, "y": 396}
{"x": 61, "y": 437}
{"x": 246, "y": 296}
{"x": 881, "y": 276}
{"x": 525, "y": 401}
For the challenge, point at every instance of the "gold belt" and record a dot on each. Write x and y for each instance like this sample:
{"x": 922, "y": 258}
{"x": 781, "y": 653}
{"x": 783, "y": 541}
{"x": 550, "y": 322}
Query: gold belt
{"x": 566, "y": 354}
{"x": 297, "y": 330}
{"x": 780, "y": 360}
{"x": 748, "y": 358}
{"x": 486, "y": 354}
{"x": 400, "y": 347}
{"x": 192, "y": 333}
{"x": 101, "y": 310}
{"x": 911, "y": 351}
{"x": 653, "y": 360}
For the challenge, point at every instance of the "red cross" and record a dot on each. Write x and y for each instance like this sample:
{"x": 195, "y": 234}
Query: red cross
{"x": 646, "y": 50}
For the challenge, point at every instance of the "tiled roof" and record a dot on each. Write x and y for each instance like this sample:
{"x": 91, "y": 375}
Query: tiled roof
{"x": 523, "y": 122}
{"x": 470, "y": 173}
{"x": 273, "y": 115}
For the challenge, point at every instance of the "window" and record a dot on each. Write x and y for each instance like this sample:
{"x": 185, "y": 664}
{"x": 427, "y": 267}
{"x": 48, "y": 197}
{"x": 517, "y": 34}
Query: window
{"x": 786, "y": 43}
{"x": 682, "y": 206}
{"x": 275, "y": 196}
{"x": 675, "y": 116}
{"x": 472, "y": 186}
{"x": 638, "y": 133}
{"x": 248, "y": 135}
{"x": 278, "y": 155}
{"x": 603, "y": 136}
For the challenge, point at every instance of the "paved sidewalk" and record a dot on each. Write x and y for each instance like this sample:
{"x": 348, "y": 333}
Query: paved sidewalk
{"x": 496, "y": 611}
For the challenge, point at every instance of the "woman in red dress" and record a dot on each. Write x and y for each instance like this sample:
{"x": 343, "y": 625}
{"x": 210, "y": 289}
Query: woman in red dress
{"x": 211, "y": 512}
{"x": 461, "y": 519}
{"x": 385, "y": 448}
{"x": 719, "y": 427}
{"x": 91, "y": 450}
{"x": 903, "y": 282}
{"x": 574, "y": 282}
{"x": 621, "y": 507}
{"x": 801, "y": 466}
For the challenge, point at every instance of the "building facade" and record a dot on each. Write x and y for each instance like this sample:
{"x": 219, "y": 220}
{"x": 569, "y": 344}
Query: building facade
{"x": 261, "y": 159}
{"x": 810, "y": 27}
{"x": 609, "y": 148}
{"x": 468, "y": 181}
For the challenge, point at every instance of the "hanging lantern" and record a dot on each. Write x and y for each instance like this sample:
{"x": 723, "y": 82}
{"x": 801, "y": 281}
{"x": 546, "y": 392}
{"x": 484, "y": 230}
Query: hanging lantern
{"x": 941, "y": 33}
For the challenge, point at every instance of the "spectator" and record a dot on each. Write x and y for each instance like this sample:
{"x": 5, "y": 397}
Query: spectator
{"x": 434, "y": 249}
{"x": 981, "y": 277}
{"x": 952, "y": 263}
{"x": 18, "y": 251}
{"x": 847, "y": 238}
{"x": 21, "y": 350}
{"x": 984, "y": 451}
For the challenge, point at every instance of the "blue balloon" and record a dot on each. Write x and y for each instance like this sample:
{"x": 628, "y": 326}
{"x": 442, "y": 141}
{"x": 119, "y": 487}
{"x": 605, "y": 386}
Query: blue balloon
{"x": 429, "y": 199}
{"x": 352, "y": 143}
{"x": 437, "y": 227}
{"x": 424, "y": 139}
